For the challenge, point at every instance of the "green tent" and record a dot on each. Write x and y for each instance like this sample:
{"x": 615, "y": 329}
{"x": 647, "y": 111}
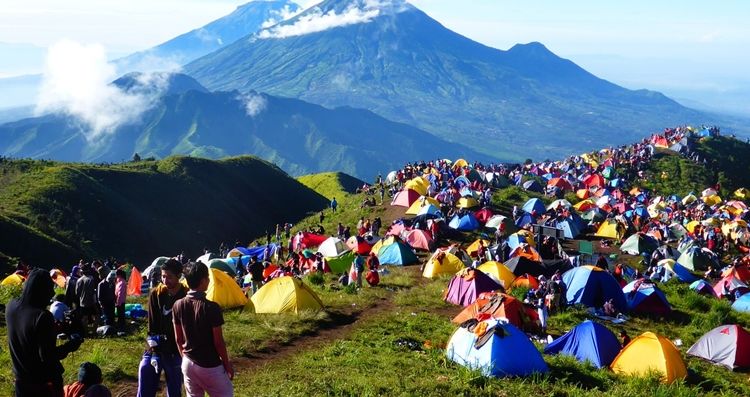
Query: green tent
{"x": 638, "y": 244}
{"x": 341, "y": 263}
{"x": 223, "y": 265}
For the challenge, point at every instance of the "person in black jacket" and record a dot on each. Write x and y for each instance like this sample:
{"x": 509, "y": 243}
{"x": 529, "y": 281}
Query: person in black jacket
{"x": 34, "y": 353}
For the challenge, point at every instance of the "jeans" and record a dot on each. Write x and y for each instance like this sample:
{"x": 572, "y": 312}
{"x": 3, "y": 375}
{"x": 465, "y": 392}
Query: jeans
{"x": 148, "y": 378}
{"x": 200, "y": 380}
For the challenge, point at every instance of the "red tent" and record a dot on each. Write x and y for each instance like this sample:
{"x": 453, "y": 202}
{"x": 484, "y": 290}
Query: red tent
{"x": 483, "y": 215}
{"x": 135, "y": 282}
{"x": 560, "y": 183}
{"x": 594, "y": 180}
{"x": 307, "y": 240}
{"x": 358, "y": 245}
{"x": 419, "y": 239}
{"x": 405, "y": 198}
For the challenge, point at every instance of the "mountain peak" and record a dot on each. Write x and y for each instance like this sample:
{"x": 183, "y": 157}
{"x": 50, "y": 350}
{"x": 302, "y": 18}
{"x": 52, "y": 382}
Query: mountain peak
{"x": 164, "y": 83}
{"x": 534, "y": 48}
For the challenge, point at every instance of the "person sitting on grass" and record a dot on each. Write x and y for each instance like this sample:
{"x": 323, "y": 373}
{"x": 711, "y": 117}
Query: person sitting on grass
{"x": 89, "y": 383}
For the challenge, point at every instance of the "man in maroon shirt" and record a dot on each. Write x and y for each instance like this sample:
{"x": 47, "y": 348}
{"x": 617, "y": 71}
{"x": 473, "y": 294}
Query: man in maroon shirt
{"x": 197, "y": 327}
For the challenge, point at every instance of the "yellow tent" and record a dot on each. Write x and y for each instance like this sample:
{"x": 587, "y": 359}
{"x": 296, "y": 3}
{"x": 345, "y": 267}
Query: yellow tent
{"x": 421, "y": 202}
{"x": 690, "y": 198}
{"x": 712, "y": 200}
{"x": 449, "y": 264}
{"x": 13, "y": 279}
{"x": 742, "y": 193}
{"x": 223, "y": 290}
{"x": 418, "y": 184}
{"x": 383, "y": 242}
{"x": 584, "y": 205}
{"x": 611, "y": 229}
{"x": 498, "y": 272}
{"x": 285, "y": 295}
{"x": 467, "y": 202}
{"x": 650, "y": 352}
{"x": 691, "y": 226}
{"x": 460, "y": 163}
{"x": 474, "y": 247}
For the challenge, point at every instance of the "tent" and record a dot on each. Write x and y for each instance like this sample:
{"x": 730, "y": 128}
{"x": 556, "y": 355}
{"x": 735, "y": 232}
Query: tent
{"x": 503, "y": 350}
{"x": 645, "y": 297}
{"x": 442, "y": 263}
{"x": 742, "y": 304}
{"x": 223, "y": 265}
{"x": 525, "y": 281}
{"x": 332, "y": 246}
{"x": 703, "y": 287}
{"x": 727, "y": 345}
{"x": 13, "y": 279}
{"x": 358, "y": 245}
{"x": 467, "y": 202}
{"x": 430, "y": 209}
{"x": 521, "y": 265}
{"x": 572, "y": 225}
{"x": 594, "y": 180}
{"x": 418, "y": 184}
{"x": 418, "y": 239}
{"x": 405, "y": 198}
{"x": 203, "y": 258}
{"x": 223, "y": 290}
{"x": 236, "y": 251}
{"x": 397, "y": 253}
{"x": 650, "y": 352}
{"x": 533, "y": 186}
{"x": 499, "y": 305}
{"x": 561, "y": 184}
{"x": 525, "y": 219}
{"x": 592, "y": 286}
{"x": 515, "y": 240}
{"x": 341, "y": 263}
{"x": 534, "y": 206}
{"x": 466, "y": 285}
{"x": 420, "y": 203}
{"x": 135, "y": 282}
{"x": 611, "y": 229}
{"x": 301, "y": 241}
{"x": 527, "y": 252}
{"x": 731, "y": 283}
{"x": 498, "y": 272}
{"x": 157, "y": 264}
{"x": 59, "y": 277}
{"x": 465, "y": 223}
{"x": 696, "y": 258}
{"x": 674, "y": 269}
{"x": 382, "y": 243}
{"x": 483, "y": 215}
{"x": 497, "y": 220}
{"x": 638, "y": 244}
{"x": 587, "y": 341}
{"x": 473, "y": 248}
{"x": 285, "y": 295}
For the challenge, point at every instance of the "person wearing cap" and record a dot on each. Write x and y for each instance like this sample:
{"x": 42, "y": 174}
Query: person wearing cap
{"x": 89, "y": 383}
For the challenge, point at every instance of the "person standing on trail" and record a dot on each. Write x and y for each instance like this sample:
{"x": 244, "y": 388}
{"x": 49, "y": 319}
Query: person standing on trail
{"x": 334, "y": 204}
{"x": 255, "y": 268}
{"x": 162, "y": 353}
{"x": 197, "y": 325}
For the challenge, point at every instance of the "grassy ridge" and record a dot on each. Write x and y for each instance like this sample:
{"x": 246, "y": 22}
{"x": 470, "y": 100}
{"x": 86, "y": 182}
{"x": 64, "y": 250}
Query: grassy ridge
{"x": 138, "y": 211}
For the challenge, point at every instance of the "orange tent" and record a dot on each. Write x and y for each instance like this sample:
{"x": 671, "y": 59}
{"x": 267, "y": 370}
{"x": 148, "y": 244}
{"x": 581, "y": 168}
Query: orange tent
{"x": 527, "y": 281}
{"x": 497, "y": 304}
{"x": 135, "y": 282}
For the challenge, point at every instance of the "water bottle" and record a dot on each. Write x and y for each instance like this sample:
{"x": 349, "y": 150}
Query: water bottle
{"x": 155, "y": 362}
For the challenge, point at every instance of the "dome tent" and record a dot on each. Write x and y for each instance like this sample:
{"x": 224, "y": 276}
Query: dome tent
{"x": 285, "y": 295}
{"x": 588, "y": 341}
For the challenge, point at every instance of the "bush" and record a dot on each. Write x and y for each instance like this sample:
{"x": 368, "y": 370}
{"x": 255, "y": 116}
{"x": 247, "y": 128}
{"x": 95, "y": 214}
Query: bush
{"x": 316, "y": 278}
{"x": 8, "y": 292}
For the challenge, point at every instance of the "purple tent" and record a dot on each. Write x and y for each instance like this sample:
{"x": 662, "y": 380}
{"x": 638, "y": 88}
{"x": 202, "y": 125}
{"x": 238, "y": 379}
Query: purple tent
{"x": 466, "y": 286}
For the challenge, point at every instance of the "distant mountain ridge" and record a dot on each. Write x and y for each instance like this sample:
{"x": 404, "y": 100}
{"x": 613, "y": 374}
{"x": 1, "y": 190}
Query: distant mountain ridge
{"x": 298, "y": 136}
{"x": 403, "y": 65}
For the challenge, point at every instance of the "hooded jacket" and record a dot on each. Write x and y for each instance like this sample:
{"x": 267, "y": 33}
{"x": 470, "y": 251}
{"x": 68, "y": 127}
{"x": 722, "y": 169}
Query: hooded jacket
{"x": 31, "y": 334}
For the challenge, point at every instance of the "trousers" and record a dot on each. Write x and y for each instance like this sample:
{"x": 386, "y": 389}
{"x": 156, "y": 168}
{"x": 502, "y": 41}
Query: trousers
{"x": 148, "y": 378}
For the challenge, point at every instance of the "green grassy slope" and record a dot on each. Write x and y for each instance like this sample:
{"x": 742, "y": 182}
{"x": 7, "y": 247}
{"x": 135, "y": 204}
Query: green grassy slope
{"x": 331, "y": 184}
{"x": 138, "y": 211}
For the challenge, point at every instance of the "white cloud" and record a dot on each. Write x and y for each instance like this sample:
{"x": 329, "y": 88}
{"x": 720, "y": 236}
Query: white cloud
{"x": 281, "y": 15}
{"x": 77, "y": 83}
{"x": 315, "y": 20}
{"x": 254, "y": 103}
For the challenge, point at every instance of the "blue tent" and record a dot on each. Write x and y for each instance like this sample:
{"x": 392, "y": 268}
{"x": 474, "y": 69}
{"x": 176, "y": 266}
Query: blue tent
{"x": 506, "y": 352}
{"x": 534, "y": 206}
{"x": 592, "y": 286}
{"x": 515, "y": 240}
{"x": 465, "y": 223}
{"x": 644, "y": 297}
{"x": 525, "y": 219}
{"x": 683, "y": 274}
{"x": 703, "y": 287}
{"x": 588, "y": 341}
{"x": 572, "y": 226}
{"x": 397, "y": 253}
{"x": 742, "y": 304}
{"x": 461, "y": 182}
{"x": 533, "y": 186}
{"x": 258, "y": 251}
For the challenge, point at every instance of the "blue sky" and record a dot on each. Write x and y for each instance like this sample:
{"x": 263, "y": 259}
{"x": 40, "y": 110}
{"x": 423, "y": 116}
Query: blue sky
{"x": 696, "y": 50}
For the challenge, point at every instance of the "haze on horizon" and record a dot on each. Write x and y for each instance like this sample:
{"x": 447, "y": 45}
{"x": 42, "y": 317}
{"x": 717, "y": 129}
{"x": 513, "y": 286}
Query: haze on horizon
{"x": 693, "y": 51}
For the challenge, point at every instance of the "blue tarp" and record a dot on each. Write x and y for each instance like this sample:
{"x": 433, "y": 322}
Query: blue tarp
{"x": 509, "y": 352}
{"x": 588, "y": 341}
{"x": 591, "y": 286}
{"x": 465, "y": 223}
